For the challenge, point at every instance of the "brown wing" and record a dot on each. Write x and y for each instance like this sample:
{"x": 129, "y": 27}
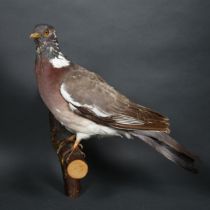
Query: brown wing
{"x": 94, "y": 99}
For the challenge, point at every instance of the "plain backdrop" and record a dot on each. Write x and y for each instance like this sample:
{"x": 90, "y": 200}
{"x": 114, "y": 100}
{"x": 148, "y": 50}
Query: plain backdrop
{"x": 154, "y": 51}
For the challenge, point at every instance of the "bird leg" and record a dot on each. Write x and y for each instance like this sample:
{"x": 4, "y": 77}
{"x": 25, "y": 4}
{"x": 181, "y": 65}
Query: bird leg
{"x": 76, "y": 146}
{"x": 76, "y": 143}
{"x": 64, "y": 142}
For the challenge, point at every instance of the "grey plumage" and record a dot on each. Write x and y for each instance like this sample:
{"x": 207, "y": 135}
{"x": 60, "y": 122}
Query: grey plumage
{"x": 86, "y": 105}
{"x": 121, "y": 112}
{"x": 124, "y": 115}
{"x": 169, "y": 148}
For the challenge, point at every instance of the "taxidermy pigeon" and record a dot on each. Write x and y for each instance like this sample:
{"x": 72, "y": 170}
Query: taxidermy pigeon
{"x": 87, "y": 106}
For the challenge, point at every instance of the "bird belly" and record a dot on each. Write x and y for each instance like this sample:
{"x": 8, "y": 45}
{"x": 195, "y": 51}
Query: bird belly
{"x": 77, "y": 124}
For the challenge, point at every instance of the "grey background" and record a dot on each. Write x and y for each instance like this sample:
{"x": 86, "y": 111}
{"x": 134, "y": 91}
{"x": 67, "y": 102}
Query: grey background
{"x": 156, "y": 52}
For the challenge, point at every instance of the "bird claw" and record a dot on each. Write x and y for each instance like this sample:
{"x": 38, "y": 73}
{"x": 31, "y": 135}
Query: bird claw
{"x": 65, "y": 142}
{"x": 68, "y": 154}
{"x": 84, "y": 155}
{"x": 80, "y": 146}
{"x": 74, "y": 147}
{"x": 60, "y": 146}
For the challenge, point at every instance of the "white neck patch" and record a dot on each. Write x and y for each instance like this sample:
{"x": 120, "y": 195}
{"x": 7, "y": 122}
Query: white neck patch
{"x": 60, "y": 61}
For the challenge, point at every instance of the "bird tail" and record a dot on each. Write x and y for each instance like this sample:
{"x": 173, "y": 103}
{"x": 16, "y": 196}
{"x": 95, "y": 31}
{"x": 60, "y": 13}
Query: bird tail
{"x": 169, "y": 148}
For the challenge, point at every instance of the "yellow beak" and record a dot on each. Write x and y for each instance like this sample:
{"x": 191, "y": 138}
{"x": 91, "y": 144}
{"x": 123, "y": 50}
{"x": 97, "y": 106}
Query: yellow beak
{"x": 35, "y": 35}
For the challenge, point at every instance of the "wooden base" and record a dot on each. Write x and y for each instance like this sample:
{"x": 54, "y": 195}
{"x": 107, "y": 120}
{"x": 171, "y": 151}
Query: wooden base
{"x": 73, "y": 164}
{"x": 77, "y": 169}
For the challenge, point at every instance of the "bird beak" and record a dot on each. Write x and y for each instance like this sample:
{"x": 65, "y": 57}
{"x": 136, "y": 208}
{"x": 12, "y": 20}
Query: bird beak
{"x": 35, "y": 35}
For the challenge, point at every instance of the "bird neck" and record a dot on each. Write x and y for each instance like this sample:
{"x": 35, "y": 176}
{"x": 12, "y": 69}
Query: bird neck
{"x": 52, "y": 52}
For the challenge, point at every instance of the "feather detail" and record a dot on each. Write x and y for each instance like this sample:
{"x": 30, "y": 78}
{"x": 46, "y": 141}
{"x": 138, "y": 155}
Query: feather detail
{"x": 91, "y": 97}
{"x": 169, "y": 148}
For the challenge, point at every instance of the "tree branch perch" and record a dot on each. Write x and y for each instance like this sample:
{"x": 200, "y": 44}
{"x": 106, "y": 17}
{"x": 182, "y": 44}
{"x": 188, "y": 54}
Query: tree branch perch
{"x": 72, "y": 164}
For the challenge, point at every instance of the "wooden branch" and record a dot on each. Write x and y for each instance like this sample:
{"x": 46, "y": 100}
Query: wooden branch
{"x": 77, "y": 169}
{"x": 73, "y": 164}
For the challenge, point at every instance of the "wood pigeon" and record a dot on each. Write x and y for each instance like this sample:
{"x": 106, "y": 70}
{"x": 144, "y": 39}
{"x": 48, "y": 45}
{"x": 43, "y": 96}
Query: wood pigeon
{"x": 87, "y": 106}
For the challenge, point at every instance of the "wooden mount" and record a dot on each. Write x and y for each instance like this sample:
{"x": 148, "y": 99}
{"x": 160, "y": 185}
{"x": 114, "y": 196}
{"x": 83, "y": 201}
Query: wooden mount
{"x": 73, "y": 164}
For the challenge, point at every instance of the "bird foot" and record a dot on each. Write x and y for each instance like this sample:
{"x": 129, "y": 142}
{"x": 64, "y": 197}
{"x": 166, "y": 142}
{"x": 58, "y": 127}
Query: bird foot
{"x": 67, "y": 155}
{"x": 80, "y": 146}
{"x": 82, "y": 153}
{"x": 64, "y": 142}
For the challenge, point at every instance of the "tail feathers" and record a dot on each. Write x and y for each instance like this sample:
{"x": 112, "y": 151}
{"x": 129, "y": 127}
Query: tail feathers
{"x": 169, "y": 148}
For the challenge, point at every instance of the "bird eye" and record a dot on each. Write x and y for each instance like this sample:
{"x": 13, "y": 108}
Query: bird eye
{"x": 46, "y": 33}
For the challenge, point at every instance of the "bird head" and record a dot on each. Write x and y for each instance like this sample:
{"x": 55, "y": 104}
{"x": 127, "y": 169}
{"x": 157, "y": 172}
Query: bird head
{"x": 47, "y": 45}
{"x": 43, "y": 34}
